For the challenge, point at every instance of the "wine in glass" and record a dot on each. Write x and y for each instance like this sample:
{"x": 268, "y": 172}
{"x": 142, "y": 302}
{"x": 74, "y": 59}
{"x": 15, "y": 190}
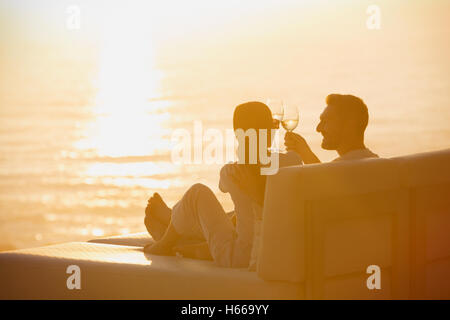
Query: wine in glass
{"x": 277, "y": 108}
{"x": 290, "y": 118}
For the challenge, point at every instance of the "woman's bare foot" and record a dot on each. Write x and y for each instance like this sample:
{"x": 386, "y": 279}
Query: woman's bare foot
{"x": 157, "y": 216}
{"x": 157, "y": 207}
{"x": 155, "y": 227}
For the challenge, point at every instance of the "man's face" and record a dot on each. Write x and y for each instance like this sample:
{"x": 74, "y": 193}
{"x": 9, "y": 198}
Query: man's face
{"x": 331, "y": 128}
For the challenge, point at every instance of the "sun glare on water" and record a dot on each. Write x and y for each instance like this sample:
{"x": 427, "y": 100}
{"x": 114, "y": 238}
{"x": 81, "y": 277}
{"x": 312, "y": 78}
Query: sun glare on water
{"x": 126, "y": 122}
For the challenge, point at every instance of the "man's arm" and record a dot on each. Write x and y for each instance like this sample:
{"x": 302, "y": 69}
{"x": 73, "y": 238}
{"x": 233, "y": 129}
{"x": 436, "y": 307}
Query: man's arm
{"x": 295, "y": 142}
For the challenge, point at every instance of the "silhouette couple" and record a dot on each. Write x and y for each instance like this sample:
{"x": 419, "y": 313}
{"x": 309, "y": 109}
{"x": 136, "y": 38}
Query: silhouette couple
{"x": 198, "y": 227}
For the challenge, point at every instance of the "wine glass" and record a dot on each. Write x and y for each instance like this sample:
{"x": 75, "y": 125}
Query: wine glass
{"x": 277, "y": 108}
{"x": 290, "y": 118}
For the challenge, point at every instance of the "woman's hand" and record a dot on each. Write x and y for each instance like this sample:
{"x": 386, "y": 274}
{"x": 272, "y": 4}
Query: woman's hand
{"x": 246, "y": 178}
{"x": 251, "y": 182}
{"x": 226, "y": 175}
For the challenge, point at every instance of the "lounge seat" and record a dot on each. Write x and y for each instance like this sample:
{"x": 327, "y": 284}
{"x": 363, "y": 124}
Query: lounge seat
{"x": 323, "y": 225}
{"x": 126, "y": 272}
{"x": 331, "y": 221}
{"x": 426, "y": 177}
{"x": 140, "y": 239}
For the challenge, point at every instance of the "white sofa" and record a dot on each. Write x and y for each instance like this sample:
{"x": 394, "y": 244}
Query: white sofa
{"x": 323, "y": 225}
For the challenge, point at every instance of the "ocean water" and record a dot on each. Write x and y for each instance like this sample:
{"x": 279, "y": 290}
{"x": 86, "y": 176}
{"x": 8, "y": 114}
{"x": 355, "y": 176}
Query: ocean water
{"x": 86, "y": 121}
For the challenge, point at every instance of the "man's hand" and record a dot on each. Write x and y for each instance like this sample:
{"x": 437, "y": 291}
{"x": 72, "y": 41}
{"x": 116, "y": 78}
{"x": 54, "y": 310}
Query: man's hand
{"x": 295, "y": 142}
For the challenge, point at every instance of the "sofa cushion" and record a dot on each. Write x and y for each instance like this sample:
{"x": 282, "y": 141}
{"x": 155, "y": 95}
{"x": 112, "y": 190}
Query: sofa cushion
{"x": 426, "y": 177}
{"x": 140, "y": 239}
{"x": 422, "y": 169}
{"x": 301, "y": 196}
{"x": 124, "y": 272}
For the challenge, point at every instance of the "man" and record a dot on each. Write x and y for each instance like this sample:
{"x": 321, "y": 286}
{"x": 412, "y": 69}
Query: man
{"x": 342, "y": 125}
{"x": 199, "y": 215}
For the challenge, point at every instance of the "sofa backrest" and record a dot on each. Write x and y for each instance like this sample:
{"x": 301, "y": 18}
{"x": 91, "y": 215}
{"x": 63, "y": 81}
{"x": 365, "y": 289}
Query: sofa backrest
{"x": 323, "y": 225}
{"x": 426, "y": 177}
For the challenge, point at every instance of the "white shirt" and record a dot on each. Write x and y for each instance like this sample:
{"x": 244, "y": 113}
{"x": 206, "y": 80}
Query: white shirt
{"x": 357, "y": 154}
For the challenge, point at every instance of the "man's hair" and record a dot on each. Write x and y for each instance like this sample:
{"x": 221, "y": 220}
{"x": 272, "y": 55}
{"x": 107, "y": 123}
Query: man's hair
{"x": 350, "y": 107}
{"x": 252, "y": 115}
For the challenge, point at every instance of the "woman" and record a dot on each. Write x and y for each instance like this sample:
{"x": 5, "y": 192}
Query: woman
{"x": 199, "y": 215}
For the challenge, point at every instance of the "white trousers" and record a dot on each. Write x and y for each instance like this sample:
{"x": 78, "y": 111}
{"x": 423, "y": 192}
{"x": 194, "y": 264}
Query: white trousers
{"x": 200, "y": 215}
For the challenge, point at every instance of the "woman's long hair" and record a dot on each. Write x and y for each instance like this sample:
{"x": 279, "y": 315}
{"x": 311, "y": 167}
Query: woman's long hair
{"x": 254, "y": 115}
